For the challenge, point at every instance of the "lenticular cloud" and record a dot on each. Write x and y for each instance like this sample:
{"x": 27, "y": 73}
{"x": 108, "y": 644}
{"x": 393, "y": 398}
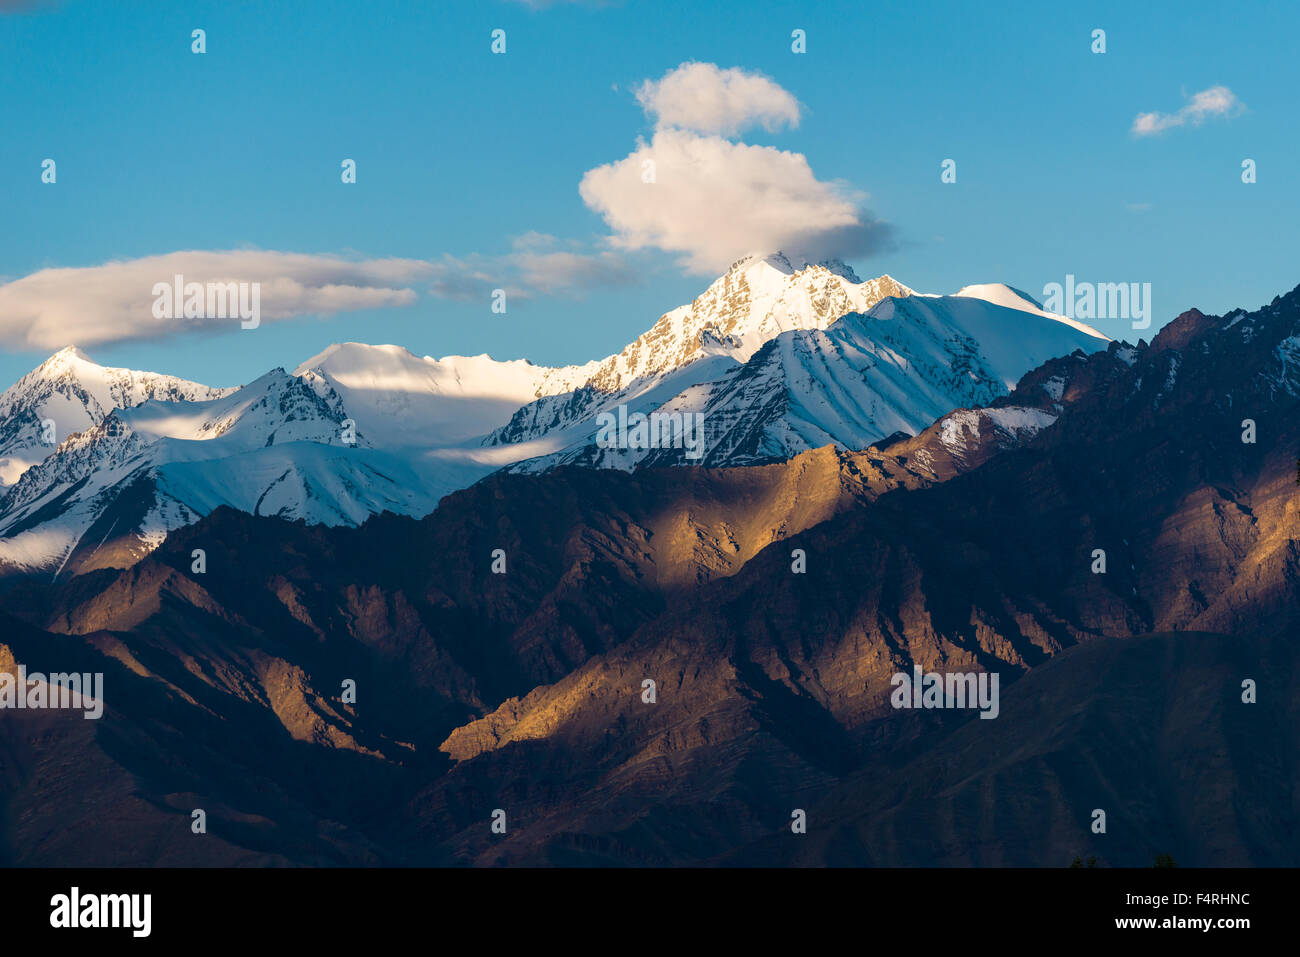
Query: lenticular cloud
{"x": 113, "y": 302}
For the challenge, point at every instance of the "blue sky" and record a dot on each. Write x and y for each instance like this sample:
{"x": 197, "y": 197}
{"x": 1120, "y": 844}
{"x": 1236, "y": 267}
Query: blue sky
{"x": 460, "y": 152}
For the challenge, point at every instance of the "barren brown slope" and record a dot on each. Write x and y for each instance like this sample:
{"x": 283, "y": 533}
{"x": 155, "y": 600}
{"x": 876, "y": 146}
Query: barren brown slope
{"x": 121, "y": 790}
{"x": 587, "y": 557}
{"x": 1152, "y": 731}
{"x": 283, "y": 614}
{"x": 990, "y": 571}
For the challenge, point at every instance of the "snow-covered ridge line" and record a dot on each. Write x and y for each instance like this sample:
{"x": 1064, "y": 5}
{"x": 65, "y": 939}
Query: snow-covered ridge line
{"x": 895, "y": 368}
{"x": 777, "y": 356}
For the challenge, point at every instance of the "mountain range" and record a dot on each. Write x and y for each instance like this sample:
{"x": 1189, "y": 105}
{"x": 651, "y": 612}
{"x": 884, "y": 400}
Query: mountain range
{"x": 500, "y": 647}
{"x": 776, "y": 358}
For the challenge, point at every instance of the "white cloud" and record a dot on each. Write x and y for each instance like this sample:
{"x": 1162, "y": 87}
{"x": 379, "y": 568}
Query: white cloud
{"x": 707, "y": 99}
{"x": 540, "y": 264}
{"x": 560, "y": 270}
{"x": 86, "y": 306}
{"x": 470, "y": 278}
{"x": 1216, "y": 101}
{"x": 714, "y": 201}
{"x": 534, "y": 240}
{"x": 113, "y": 302}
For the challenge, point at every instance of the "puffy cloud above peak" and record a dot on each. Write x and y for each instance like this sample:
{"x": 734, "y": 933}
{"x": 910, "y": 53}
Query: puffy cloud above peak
{"x": 695, "y": 191}
{"x": 707, "y": 99}
{"x": 714, "y": 201}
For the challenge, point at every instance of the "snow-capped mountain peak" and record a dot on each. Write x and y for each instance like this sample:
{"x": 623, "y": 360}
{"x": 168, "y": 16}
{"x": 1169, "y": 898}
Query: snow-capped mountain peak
{"x": 1000, "y": 294}
{"x": 782, "y": 263}
{"x": 403, "y": 400}
{"x": 896, "y": 367}
{"x": 756, "y": 299}
{"x": 68, "y": 393}
{"x": 64, "y": 358}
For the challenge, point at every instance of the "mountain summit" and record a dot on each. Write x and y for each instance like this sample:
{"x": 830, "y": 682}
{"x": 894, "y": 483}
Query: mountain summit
{"x": 757, "y": 299}
{"x": 68, "y": 393}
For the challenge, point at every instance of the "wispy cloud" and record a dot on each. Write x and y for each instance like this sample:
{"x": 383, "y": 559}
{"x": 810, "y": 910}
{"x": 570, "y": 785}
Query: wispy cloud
{"x": 113, "y": 302}
{"x": 537, "y": 265}
{"x": 1217, "y": 101}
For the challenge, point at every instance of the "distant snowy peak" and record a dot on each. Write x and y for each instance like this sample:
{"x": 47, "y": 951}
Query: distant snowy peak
{"x": 110, "y": 388}
{"x": 357, "y": 365}
{"x": 110, "y": 492}
{"x": 73, "y": 393}
{"x": 783, "y": 263}
{"x": 758, "y": 298}
{"x": 389, "y": 364}
{"x": 400, "y": 399}
{"x": 1000, "y": 294}
{"x": 273, "y": 409}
